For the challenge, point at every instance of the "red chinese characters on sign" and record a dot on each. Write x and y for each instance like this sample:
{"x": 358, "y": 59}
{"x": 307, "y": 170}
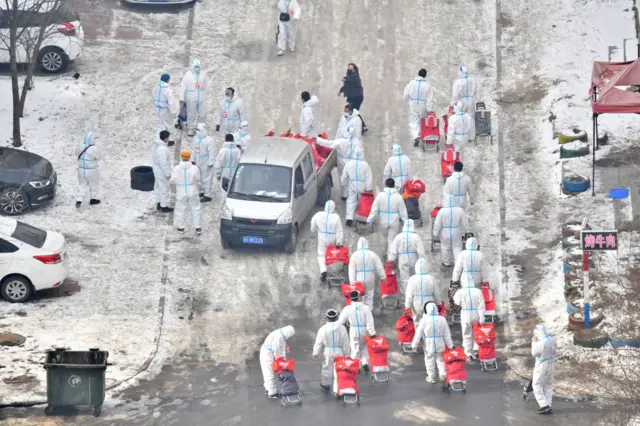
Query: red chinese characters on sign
{"x": 599, "y": 240}
{"x": 611, "y": 241}
{"x": 589, "y": 241}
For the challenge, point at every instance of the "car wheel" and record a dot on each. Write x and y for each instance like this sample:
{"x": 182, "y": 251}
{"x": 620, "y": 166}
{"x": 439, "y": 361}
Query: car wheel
{"x": 16, "y": 289}
{"x": 13, "y": 201}
{"x": 290, "y": 246}
{"x": 52, "y": 60}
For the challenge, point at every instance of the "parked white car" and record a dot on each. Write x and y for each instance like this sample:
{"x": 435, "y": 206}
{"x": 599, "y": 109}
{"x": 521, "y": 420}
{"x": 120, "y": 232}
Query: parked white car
{"x": 30, "y": 260}
{"x": 63, "y": 43}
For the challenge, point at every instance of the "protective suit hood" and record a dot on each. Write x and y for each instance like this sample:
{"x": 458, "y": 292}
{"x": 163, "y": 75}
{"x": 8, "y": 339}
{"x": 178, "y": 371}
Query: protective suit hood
{"x": 418, "y": 78}
{"x": 421, "y": 267}
{"x": 472, "y": 244}
{"x": 90, "y": 139}
{"x": 431, "y": 309}
{"x": 462, "y": 71}
{"x": 330, "y": 207}
{"x": 312, "y": 102}
{"x": 195, "y": 63}
{"x": 457, "y": 108}
{"x": 396, "y": 149}
{"x": 447, "y": 201}
{"x": 287, "y": 332}
{"x": 363, "y": 243}
{"x": 540, "y": 332}
{"x": 355, "y": 113}
{"x": 358, "y": 154}
{"x": 408, "y": 226}
{"x": 201, "y": 129}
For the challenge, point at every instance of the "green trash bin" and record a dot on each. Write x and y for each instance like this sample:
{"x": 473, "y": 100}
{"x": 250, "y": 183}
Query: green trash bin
{"x": 75, "y": 378}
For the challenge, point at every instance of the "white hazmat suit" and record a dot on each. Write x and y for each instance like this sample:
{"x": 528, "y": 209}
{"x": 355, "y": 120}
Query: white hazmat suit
{"x": 358, "y": 175}
{"x": 398, "y": 167}
{"x": 275, "y": 345}
{"x": 88, "y": 156}
{"x": 344, "y": 148}
{"x": 419, "y": 97}
{"x": 328, "y": 225}
{"x": 286, "y": 29}
{"x": 470, "y": 264}
{"x": 366, "y": 267}
{"x": 422, "y": 288}
{"x": 472, "y": 311}
{"x": 390, "y": 208}
{"x": 544, "y": 351}
{"x": 193, "y": 89}
{"x": 227, "y": 161}
{"x": 350, "y": 121}
{"x": 162, "y": 167}
{"x": 462, "y": 128}
{"x": 407, "y": 248}
{"x": 204, "y": 155}
{"x": 166, "y": 106}
{"x": 450, "y": 225}
{"x": 464, "y": 90}
{"x": 308, "y": 125}
{"x": 434, "y": 330}
{"x": 230, "y": 113}
{"x": 459, "y": 186}
{"x": 185, "y": 176}
{"x": 360, "y": 320}
{"x": 242, "y": 136}
{"x": 333, "y": 340}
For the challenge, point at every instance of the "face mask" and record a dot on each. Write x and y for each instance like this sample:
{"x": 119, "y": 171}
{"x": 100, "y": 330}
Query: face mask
{"x": 228, "y": 98}
{"x": 347, "y": 116}
{"x": 349, "y": 71}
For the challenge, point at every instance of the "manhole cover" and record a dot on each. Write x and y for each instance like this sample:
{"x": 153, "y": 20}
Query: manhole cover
{"x": 11, "y": 339}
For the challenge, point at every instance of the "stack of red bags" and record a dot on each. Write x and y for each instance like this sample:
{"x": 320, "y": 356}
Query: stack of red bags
{"x": 317, "y": 156}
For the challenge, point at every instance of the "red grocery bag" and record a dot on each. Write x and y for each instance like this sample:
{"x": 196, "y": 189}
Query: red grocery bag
{"x": 335, "y": 255}
{"x": 270, "y": 133}
{"x": 348, "y": 288}
{"x": 435, "y": 211}
{"x": 366, "y": 201}
{"x": 389, "y": 286}
{"x": 483, "y": 334}
{"x": 281, "y": 364}
{"x": 442, "y": 309}
{"x": 453, "y": 355}
{"x": 489, "y": 296}
{"x": 406, "y": 327}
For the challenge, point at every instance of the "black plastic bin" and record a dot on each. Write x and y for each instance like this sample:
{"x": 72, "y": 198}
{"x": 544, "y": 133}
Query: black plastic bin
{"x": 75, "y": 378}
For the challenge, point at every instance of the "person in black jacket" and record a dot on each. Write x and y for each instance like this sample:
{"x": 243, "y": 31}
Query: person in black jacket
{"x": 352, "y": 90}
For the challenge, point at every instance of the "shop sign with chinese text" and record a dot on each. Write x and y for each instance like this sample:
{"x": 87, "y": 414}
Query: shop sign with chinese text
{"x": 599, "y": 240}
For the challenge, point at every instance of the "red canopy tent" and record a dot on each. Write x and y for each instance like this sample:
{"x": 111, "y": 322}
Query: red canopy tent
{"x": 608, "y": 96}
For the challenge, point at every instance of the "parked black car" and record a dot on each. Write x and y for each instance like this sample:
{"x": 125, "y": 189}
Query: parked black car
{"x": 26, "y": 180}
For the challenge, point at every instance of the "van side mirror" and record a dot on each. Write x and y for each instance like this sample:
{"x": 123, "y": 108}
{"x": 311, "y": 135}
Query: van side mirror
{"x": 298, "y": 190}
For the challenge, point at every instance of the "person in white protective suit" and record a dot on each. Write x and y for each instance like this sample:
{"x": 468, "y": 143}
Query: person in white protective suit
{"x": 288, "y": 11}
{"x": 464, "y": 90}
{"x": 328, "y": 225}
{"x": 227, "y": 161}
{"x": 242, "y": 136}
{"x": 422, "y": 288}
{"x": 358, "y": 175}
{"x": 230, "y": 111}
{"x": 274, "y": 346}
{"x": 204, "y": 156}
{"x": 407, "y": 248}
{"x": 308, "y": 125}
{"x": 165, "y": 104}
{"x": 470, "y": 262}
{"x": 462, "y": 128}
{"x": 366, "y": 267}
{"x": 88, "y": 176}
{"x": 450, "y": 225}
{"x": 418, "y": 94}
{"x": 360, "y": 320}
{"x": 193, "y": 92}
{"x": 350, "y": 121}
{"x": 390, "y": 208}
{"x": 472, "y": 311}
{"x": 344, "y": 148}
{"x": 162, "y": 166}
{"x": 434, "y": 331}
{"x": 459, "y": 186}
{"x": 186, "y": 177}
{"x": 398, "y": 167}
{"x": 543, "y": 349}
{"x": 333, "y": 340}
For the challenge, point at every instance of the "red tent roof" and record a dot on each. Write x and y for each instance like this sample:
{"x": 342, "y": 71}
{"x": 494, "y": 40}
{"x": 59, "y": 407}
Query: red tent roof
{"x": 607, "y": 77}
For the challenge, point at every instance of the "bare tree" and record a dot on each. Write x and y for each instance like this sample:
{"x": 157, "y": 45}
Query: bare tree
{"x": 29, "y": 23}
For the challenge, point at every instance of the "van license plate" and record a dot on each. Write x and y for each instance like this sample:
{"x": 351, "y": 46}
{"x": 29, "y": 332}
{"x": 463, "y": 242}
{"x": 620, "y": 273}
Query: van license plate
{"x": 252, "y": 240}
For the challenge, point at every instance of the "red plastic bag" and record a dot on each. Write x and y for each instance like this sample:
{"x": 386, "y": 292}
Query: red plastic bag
{"x": 435, "y": 211}
{"x": 442, "y": 309}
{"x": 389, "y": 286}
{"x": 414, "y": 189}
{"x": 280, "y": 364}
{"x": 378, "y": 349}
{"x": 486, "y": 352}
{"x": 366, "y": 201}
{"x": 483, "y": 334}
{"x": 489, "y": 296}
{"x": 270, "y": 133}
{"x": 406, "y": 327}
{"x": 455, "y": 371}
{"x": 335, "y": 255}
{"x": 348, "y": 288}
{"x": 347, "y": 373}
{"x": 352, "y": 365}
{"x": 453, "y": 355}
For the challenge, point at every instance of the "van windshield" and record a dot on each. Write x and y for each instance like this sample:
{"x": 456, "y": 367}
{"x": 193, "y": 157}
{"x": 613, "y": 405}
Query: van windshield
{"x": 261, "y": 182}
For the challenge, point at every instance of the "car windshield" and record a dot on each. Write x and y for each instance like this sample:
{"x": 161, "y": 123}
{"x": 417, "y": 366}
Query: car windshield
{"x": 261, "y": 182}
{"x": 29, "y": 234}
